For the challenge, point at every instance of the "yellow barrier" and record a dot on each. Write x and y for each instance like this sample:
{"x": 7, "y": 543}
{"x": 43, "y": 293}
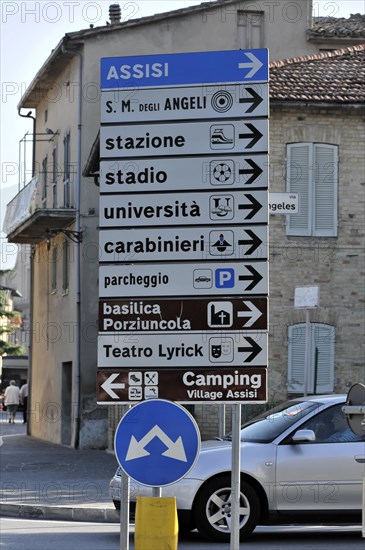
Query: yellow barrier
{"x": 156, "y": 525}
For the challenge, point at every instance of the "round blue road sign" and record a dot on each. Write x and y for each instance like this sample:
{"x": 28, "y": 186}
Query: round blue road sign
{"x": 157, "y": 442}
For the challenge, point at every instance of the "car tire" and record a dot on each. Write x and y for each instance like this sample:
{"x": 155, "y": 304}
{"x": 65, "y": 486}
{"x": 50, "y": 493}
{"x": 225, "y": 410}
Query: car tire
{"x": 212, "y": 509}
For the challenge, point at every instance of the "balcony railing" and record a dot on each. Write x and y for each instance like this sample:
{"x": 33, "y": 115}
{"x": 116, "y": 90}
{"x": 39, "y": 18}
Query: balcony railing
{"x": 27, "y": 218}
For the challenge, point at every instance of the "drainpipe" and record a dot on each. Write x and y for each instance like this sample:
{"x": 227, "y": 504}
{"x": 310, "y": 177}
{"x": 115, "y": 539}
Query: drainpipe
{"x": 31, "y": 298}
{"x": 76, "y": 435}
{"x": 29, "y": 115}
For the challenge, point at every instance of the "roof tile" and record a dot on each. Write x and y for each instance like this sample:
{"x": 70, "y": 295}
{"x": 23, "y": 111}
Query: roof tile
{"x": 331, "y": 77}
{"x": 338, "y": 27}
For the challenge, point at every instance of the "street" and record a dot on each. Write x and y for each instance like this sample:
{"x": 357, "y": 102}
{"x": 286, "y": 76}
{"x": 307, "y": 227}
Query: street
{"x": 6, "y": 429}
{"x": 20, "y": 534}
{"x": 28, "y": 534}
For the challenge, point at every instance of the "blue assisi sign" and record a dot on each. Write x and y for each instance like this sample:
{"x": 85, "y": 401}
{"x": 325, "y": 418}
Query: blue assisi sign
{"x": 181, "y": 69}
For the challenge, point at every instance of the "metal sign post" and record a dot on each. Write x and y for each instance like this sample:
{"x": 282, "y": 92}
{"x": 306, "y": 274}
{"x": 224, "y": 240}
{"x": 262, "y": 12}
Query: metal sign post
{"x": 236, "y": 476}
{"x": 355, "y": 406}
{"x": 183, "y": 213}
{"x": 307, "y": 298}
{"x": 124, "y": 511}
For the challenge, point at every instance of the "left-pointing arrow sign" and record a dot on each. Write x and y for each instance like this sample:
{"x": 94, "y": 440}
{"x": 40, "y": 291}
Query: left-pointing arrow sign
{"x": 175, "y": 449}
{"x": 109, "y": 386}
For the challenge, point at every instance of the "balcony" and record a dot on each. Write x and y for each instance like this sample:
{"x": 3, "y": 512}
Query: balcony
{"x": 28, "y": 219}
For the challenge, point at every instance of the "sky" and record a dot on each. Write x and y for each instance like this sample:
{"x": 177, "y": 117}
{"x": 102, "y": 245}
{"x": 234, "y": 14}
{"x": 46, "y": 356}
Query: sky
{"x": 30, "y": 30}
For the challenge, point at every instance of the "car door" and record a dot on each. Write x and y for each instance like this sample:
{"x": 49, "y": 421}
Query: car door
{"x": 320, "y": 474}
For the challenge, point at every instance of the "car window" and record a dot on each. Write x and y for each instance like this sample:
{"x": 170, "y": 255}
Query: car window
{"x": 268, "y": 426}
{"x": 331, "y": 426}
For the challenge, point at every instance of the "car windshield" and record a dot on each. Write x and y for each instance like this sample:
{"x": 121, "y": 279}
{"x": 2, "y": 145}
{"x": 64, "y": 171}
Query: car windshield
{"x": 267, "y": 426}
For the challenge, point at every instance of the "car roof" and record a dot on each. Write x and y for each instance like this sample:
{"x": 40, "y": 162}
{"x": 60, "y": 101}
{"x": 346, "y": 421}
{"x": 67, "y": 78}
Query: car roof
{"x": 325, "y": 399}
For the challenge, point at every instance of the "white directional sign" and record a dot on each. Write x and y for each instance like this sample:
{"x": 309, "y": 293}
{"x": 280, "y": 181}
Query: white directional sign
{"x": 184, "y": 243}
{"x": 284, "y": 203}
{"x": 233, "y": 207}
{"x": 198, "y": 102}
{"x": 148, "y": 175}
{"x": 183, "y": 350}
{"x": 183, "y": 279}
{"x": 190, "y": 138}
{"x": 183, "y": 211}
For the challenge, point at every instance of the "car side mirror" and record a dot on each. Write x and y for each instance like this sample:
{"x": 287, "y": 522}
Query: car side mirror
{"x": 304, "y": 435}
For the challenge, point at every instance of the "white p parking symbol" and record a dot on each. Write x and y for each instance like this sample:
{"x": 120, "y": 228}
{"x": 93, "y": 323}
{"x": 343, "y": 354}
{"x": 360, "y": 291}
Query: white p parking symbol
{"x": 224, "y": 278}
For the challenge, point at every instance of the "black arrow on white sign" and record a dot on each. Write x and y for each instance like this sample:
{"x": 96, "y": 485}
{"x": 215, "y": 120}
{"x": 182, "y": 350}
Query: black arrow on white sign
{"x": 255, "y": 100}
{"x": 253, "y": 349}
{"x": 255, "y": 277}
{"x": 254, "y": 241}
{"x": 255, "y": 170}
{"x": 254, "y": 207}
{"x": 255, "y": 135}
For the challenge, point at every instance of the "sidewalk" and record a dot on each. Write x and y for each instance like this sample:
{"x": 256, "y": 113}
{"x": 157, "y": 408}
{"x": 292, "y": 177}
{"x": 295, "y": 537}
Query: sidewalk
{"x": 48, "y": 481}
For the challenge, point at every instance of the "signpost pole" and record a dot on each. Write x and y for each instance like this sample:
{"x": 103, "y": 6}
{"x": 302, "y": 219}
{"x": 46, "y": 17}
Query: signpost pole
{"x": 222, "y": 420}
{"x": 363, "y": 506}
{"x": 236, "y": 476}
{"x": 307, "y": 352}
{"x": 157, "y": 492}
{"x": 124, "y": 511}
{"x": 306, "y": 297}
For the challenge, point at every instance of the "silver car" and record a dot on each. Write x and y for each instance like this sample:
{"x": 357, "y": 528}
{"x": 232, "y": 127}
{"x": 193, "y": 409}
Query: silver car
{"x": 299, "y": 461}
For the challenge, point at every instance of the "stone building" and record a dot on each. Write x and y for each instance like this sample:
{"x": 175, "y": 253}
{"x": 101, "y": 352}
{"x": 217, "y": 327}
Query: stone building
{"x": 57, "y": 211}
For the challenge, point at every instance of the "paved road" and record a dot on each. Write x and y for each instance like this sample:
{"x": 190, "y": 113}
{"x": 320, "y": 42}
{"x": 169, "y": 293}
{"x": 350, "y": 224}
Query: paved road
{"x": 12, "y": 429}
{"x": 29, "y": 468}
{"x": 18, "y": 534}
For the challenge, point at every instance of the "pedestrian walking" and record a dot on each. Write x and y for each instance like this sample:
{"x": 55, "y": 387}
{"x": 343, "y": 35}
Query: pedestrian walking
{"x": 12, "y": 400}
{"x": 23, "y": 396}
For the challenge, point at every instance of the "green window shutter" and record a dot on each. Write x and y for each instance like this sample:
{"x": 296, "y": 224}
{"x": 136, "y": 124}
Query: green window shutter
{"x": 298, "y": 180}
{"x": 296, "y": 355}
{"x": 322, "y": 346}
{"x": 324, "y": 342}
{"x": 325, "y": 190}
{"x": 54, "y": 269}
{"x": 65, "y": 265}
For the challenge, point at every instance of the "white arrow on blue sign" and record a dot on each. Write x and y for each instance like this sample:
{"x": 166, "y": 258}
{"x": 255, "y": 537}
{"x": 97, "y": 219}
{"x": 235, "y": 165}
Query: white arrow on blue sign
{"x": 179, "y": 69}
{"x": 157, "y": 442}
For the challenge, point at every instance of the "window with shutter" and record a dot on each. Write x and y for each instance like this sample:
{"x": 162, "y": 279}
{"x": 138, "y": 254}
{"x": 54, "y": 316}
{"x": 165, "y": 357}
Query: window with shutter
{"x": 66, "y": 170}
{"x": 250, "y": 29}
{"x": 322, "y": 358}
{"x": 44, "y": 181}
{"x": 65, "y": 266}
{"x": 312, "y": 172}
{"x": 54, "y": 269}
{"x": 54, "y": 177}
{"x": 325, "y": 190}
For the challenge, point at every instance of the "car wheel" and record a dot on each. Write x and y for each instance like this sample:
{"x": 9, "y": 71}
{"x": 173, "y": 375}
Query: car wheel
{"x": 213, "y": 511}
